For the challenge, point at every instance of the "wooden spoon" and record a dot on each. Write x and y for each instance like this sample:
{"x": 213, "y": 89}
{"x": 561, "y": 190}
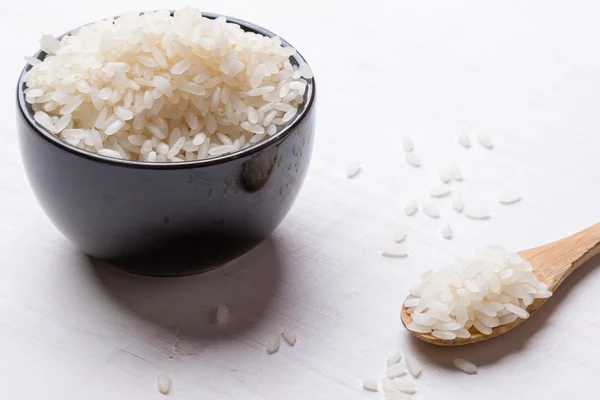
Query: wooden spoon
{"x": 552, "y": 264}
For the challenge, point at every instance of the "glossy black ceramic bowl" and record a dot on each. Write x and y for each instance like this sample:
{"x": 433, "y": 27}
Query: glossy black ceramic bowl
{"x": 168, "y": 219}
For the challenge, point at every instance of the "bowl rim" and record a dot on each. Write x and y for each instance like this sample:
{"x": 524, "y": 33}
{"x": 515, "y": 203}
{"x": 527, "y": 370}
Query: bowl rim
{"x": 279, "y": 137}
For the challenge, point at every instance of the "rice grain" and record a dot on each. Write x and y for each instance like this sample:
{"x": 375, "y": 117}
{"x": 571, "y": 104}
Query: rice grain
{"x": 394, "y": 358}
{"x": 414, "y": 366}
{"x": 413, "y": 160}
{"x": 353, "y": 169}
{"x": 222, "y": 314}
{"x": 464, "y": 140}
{"x": 405, "y": 385}
{"x": 485, "y": 141}
{"x": 458, "y": 202}
{"x": 509, "y": 197}
{"x": 273, "y": 343}
{"x": 444, "y": 174}
{"x": 370, "y": 385}
{"x": 465, "y": 366}
{"x": 393, "y": 251}
{"x": 456, "y": 173}
{"x": 430, "y": 210}
{"x": 407, "y": 144}
{"x": 289, "y": 336}
{"x": 396, "y": 370}
{"x": 440, "y": 190}
{"x": 411, "y": 207}
{"x": 120, "y": 76}
{"x": 163, "y": 382}
{"x": 446, "y": 231}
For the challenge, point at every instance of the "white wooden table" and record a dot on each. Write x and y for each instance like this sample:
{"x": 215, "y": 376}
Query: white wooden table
{"x": 527, "y": 73}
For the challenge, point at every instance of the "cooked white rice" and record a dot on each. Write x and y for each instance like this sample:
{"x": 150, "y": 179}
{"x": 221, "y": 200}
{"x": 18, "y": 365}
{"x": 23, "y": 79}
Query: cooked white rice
{"x": 492, "y": 288}
{"x": 162, "y": 88}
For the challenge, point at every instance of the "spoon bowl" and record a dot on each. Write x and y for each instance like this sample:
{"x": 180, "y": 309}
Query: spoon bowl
{"x": 552, "y": 264}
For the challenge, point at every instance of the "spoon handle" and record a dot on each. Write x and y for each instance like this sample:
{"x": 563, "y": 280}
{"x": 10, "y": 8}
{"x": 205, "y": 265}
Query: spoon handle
{"x": 555, "y": 261}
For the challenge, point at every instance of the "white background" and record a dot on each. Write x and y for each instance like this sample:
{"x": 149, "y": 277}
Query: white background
{"x": 526, "y": 73}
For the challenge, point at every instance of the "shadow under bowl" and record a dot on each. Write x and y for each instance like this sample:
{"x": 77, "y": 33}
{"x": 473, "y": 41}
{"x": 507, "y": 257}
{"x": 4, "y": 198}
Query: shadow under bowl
{"x": 168, "y": 219}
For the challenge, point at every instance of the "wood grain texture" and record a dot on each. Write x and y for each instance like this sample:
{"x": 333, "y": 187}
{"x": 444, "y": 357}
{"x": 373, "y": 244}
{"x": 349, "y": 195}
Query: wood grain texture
{"x": 523, "y": 72}
{"x": 552, "y": 264}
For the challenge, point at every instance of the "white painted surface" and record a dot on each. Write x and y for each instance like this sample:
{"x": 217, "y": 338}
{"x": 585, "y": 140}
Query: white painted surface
{"x": 526, "y": 73}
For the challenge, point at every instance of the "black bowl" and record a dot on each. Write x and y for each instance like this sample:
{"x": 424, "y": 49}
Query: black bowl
{"x": 168, "y": 219}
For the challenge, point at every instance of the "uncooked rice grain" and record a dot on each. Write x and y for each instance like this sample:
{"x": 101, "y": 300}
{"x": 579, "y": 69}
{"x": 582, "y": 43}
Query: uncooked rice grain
{"x": 464, "y": 140}
{"x": 485, "y": 141}
{"x": 400, "y": 234}
{"x": 443, "y": 335}
{"x": 153, "y": 76}
{"x": 490, "y": 289}
{"x": 353, "y": 169}
{"x": 444, "y": 174}
{"x": 163, "y": 382}
{"x": 222, "y": 314}
{"x": 456, "y": 173}
{"x": 289, "y": 336}
{"x": 395, "y": 370}
{"x": 458, "y": 202}
{"x": 413, "y": 160}
{"x": 440, "y": 190}
{"x": 407, "y": 144}
{"x": 446, "y": 231}
{"x": 273, "y": 343}
{"x": 509, "y": 197}
{"x": 465, "y": 366}
{"x": 477, "y": 212}
{"x": 411, "y": 207}
{"x": 430, "y": 210}
{"x": 393, "y": 251}
{"x": 414, "y": 366}
{"x": 370, "y": 385}
{"x": 388, "y": 385}
{"x": 394, "y": 358}
{"x": 405, "y": 385}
